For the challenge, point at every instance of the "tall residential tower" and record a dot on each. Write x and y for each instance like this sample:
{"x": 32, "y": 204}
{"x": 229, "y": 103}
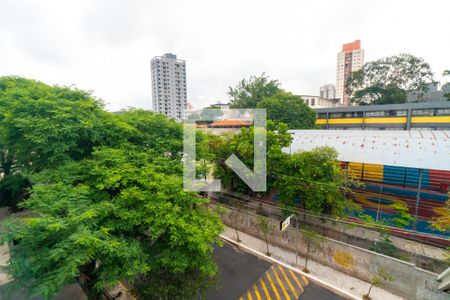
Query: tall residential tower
{"x": 349, "y": 60}
{"x": 169, "y": 85}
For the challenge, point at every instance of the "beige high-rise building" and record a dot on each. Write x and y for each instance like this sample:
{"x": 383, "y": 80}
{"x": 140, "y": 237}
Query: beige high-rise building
{"x": 169, "y": 85}
{"x": 349, "y": 60}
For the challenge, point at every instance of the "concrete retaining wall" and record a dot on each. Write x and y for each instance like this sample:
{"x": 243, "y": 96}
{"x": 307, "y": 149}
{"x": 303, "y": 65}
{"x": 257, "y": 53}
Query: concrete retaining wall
{"x": 409, "y": 281}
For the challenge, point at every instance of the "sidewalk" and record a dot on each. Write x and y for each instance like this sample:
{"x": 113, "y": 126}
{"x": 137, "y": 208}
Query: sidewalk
{"x": 336, "y": 278}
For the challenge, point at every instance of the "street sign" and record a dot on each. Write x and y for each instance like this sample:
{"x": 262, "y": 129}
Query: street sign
{"x": 285, "y": 224}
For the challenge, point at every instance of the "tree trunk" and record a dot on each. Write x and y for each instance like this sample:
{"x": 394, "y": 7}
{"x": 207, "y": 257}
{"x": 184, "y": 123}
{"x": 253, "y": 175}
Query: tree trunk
{"x": 267, "y": 243}
{"x": 237, "y": 234}
{"x": 307, "y": 254}
{"x": 368, "y": 293}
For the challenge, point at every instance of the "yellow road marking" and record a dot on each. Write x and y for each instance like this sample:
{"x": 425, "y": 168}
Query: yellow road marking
{"x": 305, "y": 280}
{"x": 273, "y": 286}
{"x": 256, "y": 292}
{"x": 296, "y": 280}
{"x": 265, "y": 289}
{"x": 241, "y": 298}
{"x": 288, "y": 282}
{"x": 249, "y": 296}
{"x": 281, "y": 284}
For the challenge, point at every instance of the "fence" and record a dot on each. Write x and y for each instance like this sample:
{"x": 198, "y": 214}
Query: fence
{"x": 346, "y": 247}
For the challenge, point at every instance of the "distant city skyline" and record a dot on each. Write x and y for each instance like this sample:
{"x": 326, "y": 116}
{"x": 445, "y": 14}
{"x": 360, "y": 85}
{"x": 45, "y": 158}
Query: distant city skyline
{"x": 106, "y": 48}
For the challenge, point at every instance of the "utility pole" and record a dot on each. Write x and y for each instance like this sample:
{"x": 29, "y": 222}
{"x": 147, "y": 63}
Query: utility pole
{"x": 417, "y": 200}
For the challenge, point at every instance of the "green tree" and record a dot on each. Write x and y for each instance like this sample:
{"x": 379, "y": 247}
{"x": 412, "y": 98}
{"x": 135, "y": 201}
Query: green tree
{"x": 446, "y": 86}
{"x": 241, "y": 144}
{"x": 114, "y": 216}
{"x": 313, "y": 240}
{"x": 266, "y": 229}
{"x": 211, "y": 113}
{"x": 106, "y": 201}
{"x": 378, "y": 279}
{"x": 389, "y": 77}
{"x": 44, "y": 126}
{"x": 249, "y": 92}
{"x": 316, "y": 179}
{"x": 289, "y": 109}
{"x": 376, "y": 95}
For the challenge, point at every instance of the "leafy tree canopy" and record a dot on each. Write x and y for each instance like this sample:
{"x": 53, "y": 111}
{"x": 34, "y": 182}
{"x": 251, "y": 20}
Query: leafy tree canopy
{"x": 241, "y": 145}
{"x": 387, "y": 76}
{"x": 380, "y": 95}
{"x": 316, "y": 179}
{"x": 42, "y": 126}
{"x": 106, "y": 198}
{"x": 289, "y": 109}
{"x": 249, "y": 92}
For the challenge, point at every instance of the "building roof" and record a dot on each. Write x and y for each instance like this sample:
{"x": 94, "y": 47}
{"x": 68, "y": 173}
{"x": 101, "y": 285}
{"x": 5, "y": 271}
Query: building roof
{"x": 423, "y": 105}
{"x": 229, "y": 123}
{"x": 415, "y": 148}
{"x": 349, "y": 47}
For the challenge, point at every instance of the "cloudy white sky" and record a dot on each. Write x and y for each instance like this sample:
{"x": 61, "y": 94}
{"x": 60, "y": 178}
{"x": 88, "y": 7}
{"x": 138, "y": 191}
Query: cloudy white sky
{"x": 106, "y": 46}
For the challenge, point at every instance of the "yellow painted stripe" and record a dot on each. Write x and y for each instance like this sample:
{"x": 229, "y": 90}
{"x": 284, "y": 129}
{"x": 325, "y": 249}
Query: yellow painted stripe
{"x": 281, "y": 284}
{"x": 346, "y": 121}
{"x": 255, "y": 288}
{"x": 305, "y": 280}
{"x": 296, "y": 280}
{"x": 437, "y": 119}
{"x": 263, "y": 284}
{"x": 288, "y": 282}
{"x": 273, "y": 286}
{"x": 396, "y": 120}
{"x": 249, "y": 296}
{"x": 391, "y": 120}
{"x": 241, "y": 298}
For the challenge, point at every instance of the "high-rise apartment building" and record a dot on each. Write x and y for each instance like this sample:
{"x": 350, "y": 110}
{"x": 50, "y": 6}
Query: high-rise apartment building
{"x": 349, "y": 60}
{"x": 169, "y": 85}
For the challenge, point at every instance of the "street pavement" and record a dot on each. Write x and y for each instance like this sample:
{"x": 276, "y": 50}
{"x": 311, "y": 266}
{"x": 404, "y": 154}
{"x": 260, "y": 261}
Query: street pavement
{"x": 244, "y": 276}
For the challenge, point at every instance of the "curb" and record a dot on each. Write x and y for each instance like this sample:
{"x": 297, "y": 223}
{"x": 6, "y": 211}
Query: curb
{"x": 314, "y": 279}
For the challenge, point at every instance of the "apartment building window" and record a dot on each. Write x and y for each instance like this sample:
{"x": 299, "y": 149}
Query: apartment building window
{"x": 379, "y": 113}
{"x": 422, "y": 112}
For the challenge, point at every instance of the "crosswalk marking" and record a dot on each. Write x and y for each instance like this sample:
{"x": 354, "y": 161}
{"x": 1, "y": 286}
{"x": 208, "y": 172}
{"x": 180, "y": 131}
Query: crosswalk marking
{"x": 296, "y": 280}
{"x": 281, "y": 284}
{"x": 277, "y": 282}
{"x": 256, "y": 292}
{"x": 263, "y": 284}
{"x": 305, "y": 280}
{"x": 288, "y": 281}
{"x": 273, "y": 286}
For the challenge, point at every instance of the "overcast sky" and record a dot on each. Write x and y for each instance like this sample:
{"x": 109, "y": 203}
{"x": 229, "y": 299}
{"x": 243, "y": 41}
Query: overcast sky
{"x": 106, "y": 45}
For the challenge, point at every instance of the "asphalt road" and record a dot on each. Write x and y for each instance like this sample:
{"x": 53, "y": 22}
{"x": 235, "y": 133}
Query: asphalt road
{"x": 237, "y": 271}
{"x": 241, "y": 275}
